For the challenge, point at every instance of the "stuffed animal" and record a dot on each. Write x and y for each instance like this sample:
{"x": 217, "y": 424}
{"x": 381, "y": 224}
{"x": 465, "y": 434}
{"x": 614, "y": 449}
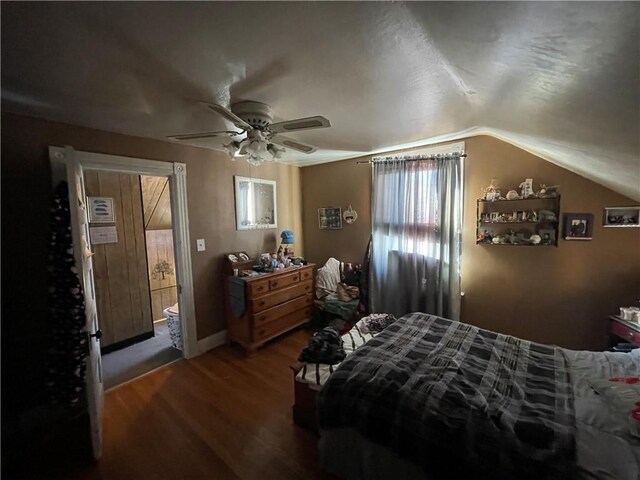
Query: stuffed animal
{"x": 526, "y": 188}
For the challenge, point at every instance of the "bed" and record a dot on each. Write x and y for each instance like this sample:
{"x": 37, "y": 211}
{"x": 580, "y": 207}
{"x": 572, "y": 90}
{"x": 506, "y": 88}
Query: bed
{"x": 430, "y": 398}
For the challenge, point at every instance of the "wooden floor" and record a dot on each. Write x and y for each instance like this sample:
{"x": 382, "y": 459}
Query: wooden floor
{"x": 217, "y": 416}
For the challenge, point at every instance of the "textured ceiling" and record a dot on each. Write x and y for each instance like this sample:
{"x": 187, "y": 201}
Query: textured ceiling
{"x": 561, "y": 80}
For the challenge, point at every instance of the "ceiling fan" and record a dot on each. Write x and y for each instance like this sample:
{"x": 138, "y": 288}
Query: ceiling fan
{"x": 262, "y": 137}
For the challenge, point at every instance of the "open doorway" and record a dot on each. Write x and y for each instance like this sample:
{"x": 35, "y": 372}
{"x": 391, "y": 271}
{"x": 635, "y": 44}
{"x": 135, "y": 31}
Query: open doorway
{"x": 135, "y": 276}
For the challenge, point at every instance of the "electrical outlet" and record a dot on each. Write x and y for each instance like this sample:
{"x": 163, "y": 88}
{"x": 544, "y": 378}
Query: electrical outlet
{"x": 200, "y": 245}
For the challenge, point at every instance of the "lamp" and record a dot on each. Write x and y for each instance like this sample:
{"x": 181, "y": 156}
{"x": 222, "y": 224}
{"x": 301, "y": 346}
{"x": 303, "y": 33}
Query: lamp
{"x": 255, "y": 148}
{"x": 287, "y": 237}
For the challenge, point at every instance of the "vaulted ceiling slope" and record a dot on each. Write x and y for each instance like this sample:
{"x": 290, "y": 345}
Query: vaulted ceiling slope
{"x": 560, "y": 80}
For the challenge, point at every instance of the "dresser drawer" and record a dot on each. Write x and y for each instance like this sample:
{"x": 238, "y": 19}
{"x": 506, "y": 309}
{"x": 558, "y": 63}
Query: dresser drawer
{"x": 286, "y": 308}
{"x": 625, "y": 332}
{"x": 258, "y": 287}
{"x": 306, "y": 273}
{"x": 280, "y": 325}
{"x": 282, "y": 281}
{"x": 280, "y": 296}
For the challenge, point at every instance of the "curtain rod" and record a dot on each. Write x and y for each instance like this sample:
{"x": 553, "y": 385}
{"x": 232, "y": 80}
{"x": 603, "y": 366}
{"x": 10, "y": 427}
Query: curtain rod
{"x": 410, "y": 158}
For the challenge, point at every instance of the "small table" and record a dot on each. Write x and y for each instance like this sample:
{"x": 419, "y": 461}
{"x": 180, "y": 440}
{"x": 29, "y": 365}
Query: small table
{"x": 629, "y": 331}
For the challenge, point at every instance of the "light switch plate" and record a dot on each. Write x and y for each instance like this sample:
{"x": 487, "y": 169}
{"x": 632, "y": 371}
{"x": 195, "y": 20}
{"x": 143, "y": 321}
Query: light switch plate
{"x": 200, "y": 245}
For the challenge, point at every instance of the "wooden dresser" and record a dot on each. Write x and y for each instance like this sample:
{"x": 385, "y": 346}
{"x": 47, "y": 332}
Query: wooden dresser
{"x": 262, "y": 307}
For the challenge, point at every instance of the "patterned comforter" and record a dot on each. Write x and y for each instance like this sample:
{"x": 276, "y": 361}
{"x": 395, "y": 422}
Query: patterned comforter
{"x": 458, "y": 400}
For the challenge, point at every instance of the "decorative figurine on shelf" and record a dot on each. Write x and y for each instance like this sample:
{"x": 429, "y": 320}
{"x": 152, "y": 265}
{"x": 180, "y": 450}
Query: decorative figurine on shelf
{"x": 526, "y": 188}
{"x": 487, "y": 237}
{"x": 535, "y": 239}
{"x": 534, "y": 216}
{"x": 490, "y": 192}
{"x": 512, "y": 195}
{"x": 543, "y": 190}
{"x": 547, "y": 216}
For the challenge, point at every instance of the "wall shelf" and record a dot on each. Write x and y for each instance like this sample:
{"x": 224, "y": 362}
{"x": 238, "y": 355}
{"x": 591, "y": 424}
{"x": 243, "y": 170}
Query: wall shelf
{"x": 530, "y": 199}
{"x": 549, "y": 222}
{"x": 515, "y": 232}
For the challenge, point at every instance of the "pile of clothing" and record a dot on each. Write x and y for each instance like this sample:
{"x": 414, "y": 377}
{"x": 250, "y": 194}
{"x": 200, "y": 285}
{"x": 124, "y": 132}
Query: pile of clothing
{"x": 324, "y": 347}
{"x": 376, "y": 322}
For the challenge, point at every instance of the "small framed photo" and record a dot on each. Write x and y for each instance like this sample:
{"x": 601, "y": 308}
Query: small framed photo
{"x": 621, "y": 217}
{"x": 484, "y": 217}
{"x": 578, "y": 226}
{"x": 494, "y": 216}
{"x": 330, "y": 218}
{"x": 101, "y": 210}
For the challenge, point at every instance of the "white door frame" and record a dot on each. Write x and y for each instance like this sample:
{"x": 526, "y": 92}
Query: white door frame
{"x": 177, "y": 174}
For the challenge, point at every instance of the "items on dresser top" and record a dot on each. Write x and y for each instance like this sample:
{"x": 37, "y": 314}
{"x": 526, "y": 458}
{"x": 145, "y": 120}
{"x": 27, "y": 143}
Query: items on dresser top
{"x": 264, "y": 306}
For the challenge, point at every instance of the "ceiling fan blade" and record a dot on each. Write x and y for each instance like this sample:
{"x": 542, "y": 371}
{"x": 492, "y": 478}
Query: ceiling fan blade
{"x": 228, "y": 115}
{"x": 194, "y": 136}
{"x": 307, "y": 123}
{"x": 293, "y": 144}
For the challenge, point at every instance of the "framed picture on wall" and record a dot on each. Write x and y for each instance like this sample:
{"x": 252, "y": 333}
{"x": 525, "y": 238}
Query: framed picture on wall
{"x": 621, "y": 217}
{"x": 578, "y": 226}
{"x": 330, "y": 218}
{"x": 101, "y": 210}
{"x": 256, "y": 203}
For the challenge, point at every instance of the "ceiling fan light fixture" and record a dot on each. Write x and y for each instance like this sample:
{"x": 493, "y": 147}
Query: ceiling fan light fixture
{"x": 232, "y": 149}
{"x": 256, "y": 147}
{"x": 276, "y": 153}
{"x": 255, "y": 161}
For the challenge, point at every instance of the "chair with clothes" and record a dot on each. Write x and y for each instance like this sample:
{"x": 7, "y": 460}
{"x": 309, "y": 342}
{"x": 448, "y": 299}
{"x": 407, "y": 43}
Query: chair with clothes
{"x": 337, "y": 295}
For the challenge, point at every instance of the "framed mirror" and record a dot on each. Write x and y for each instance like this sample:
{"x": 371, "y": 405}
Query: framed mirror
{"x": 256, "y": 203}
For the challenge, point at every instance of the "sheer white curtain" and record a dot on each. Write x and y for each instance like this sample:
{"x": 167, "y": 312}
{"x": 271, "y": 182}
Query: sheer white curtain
{"x": 417, "y": 227}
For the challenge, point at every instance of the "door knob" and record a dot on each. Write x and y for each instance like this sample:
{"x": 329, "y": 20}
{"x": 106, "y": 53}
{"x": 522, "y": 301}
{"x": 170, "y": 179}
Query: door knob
{"x": 98, "y": 334}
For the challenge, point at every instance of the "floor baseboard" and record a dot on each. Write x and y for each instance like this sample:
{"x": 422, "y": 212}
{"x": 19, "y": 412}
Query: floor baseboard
{"x": 212, "y": 341}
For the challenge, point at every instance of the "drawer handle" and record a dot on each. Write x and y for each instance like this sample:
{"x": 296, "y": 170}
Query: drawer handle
{"x": 275, "y": 284}
{"x": 262, "y": 332}
{"x": 261, "y": 302}
{"x": 307, "y": 288}
{"x": 262, "y": 318}
{"x": 260, "y": 288}
{"x": 295, "y": 278}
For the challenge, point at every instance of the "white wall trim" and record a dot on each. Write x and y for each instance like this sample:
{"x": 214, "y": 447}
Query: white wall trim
{"x": 176, "y": 172}
{"x": 212, "y": 341}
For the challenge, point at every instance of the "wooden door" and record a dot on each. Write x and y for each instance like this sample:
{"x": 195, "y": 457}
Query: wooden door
{"x": 84, "y": 263}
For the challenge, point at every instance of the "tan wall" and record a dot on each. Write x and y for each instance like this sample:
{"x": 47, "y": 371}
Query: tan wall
{"x": 120, "y": 269}
{"x": 336, "y": 184}
{"x": 26, "y": 192}
{"x": 557, "y": 295}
